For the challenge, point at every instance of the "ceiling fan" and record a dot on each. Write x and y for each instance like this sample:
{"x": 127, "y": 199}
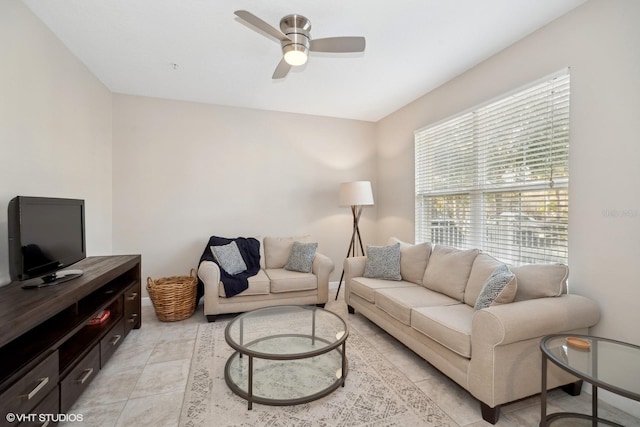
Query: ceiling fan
{"x": 296, "y": 41}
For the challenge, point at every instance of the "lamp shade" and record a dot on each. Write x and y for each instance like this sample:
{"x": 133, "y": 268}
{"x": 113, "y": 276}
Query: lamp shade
{"x": 356, "y": 193}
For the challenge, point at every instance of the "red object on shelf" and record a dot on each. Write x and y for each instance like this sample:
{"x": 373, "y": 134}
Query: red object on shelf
{"x": 100, "y": 318}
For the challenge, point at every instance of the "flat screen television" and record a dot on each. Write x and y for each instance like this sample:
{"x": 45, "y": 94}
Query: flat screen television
{"x": 45, "y": 235}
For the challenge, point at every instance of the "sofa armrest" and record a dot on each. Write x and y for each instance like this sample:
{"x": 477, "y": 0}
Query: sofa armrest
{"x": 522, "y": 320}
{"x": 353, "y": 267}
{"x": 209, "y": 273}
{"x": 505, "y": 345}
{"x": 322, "y": 267}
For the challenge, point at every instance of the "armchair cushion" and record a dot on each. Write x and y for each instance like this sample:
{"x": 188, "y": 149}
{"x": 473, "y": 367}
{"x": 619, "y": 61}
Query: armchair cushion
{"x": 258, "y": 285}
{"x": 277, "y": 249}
{"x": 286, "y": 281}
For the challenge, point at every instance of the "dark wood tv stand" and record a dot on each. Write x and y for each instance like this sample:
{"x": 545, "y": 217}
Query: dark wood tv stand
{"x": 49, "y": 352}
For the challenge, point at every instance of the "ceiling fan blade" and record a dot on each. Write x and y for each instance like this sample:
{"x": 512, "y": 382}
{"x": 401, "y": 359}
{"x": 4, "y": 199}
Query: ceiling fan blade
{"x": 281, "y": 70}
{"x": 260, "y": 24}
{"x": 338, "y": 44}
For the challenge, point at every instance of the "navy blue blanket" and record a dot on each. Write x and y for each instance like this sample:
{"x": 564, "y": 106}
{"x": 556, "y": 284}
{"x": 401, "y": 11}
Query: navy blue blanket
{"x": 233, "y": 284}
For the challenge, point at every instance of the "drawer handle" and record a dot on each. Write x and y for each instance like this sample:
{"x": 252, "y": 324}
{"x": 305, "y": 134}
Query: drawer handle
{"x": 85, "y": 376}
{"x": 115, "y": 339}
{"x": 133, "y": 296}
{"x": 42, "y": 382}
{"x": 132, "y": 318}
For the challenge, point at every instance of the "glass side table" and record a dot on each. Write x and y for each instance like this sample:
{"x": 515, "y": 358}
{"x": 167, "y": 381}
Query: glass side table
{"x": 604, "y": 363}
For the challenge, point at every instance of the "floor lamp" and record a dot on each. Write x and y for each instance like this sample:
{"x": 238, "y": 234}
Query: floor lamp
{"x": 355, "y": 194}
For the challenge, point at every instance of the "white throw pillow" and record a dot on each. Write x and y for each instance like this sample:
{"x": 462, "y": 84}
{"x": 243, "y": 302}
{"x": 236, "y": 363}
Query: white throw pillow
{"x": 229, "y": 258}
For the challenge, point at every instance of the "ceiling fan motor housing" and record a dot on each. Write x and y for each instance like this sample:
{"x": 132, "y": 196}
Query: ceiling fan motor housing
{"x": 296, "y": 42}
{"x": 297, "y": 28}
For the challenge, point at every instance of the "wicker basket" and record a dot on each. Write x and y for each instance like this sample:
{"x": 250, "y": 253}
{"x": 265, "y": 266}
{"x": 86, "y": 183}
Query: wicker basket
{"x": 173, "y": 298}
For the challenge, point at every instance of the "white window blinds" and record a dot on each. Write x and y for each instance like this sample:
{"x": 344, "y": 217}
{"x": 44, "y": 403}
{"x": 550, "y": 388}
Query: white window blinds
{"x": 497, "y": 177}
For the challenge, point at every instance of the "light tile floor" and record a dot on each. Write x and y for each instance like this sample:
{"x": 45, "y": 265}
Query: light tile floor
{"x": 144, "y": 382}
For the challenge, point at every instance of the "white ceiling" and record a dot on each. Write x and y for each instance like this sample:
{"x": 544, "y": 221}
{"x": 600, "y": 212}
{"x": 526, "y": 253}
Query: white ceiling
{"x": 413, "y": 46}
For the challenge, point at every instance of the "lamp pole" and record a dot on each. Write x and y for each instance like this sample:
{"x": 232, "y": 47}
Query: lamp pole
{"x": 355, "y": 194}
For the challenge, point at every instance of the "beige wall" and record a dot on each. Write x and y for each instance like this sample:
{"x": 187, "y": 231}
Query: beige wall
{"x": 185, "y": 171}
{"x": 55, "y": 127}
{"x": 600, "y": 42}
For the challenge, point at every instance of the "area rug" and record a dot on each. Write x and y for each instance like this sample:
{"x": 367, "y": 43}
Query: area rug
{"x": 375, "y": 394}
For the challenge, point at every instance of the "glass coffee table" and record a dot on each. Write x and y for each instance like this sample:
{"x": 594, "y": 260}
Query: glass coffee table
{"x": 286, "y": 355}
{"x": 604, "y": 363}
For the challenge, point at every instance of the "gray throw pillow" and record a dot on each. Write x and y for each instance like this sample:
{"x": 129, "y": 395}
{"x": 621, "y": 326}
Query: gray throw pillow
{"x": 229, "y": 258}
{"x": 499, "y": 288}
{"x": 301, "y": 257}
{"x": 383, "y": 262}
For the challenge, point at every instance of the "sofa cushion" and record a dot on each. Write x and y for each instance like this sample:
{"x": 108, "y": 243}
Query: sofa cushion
{"x": 229, "y": 258}
{"x": 383, "y": 262}
{"x": 366, "y": 287}
{"x": 500, "y": 288}
{"x": 482, "y": 268}
{"x": 301, "y": 257}
{"x": 541, "y": 280}
{"x": 277, "y": 249}
{"x": 448, "y": 270}
{"x": 413, "y": 260}
{"x": 258, "y": 285}
{"x": 399, "y": 302}
{"x": 287, "y": 281}
{"x": 448, "y": 325}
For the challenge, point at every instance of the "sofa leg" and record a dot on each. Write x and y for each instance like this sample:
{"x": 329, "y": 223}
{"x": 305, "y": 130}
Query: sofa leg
{"x": 351, "y": 309}
{"x": 320, "y": 305}
{"x": 211, "y": 318}
{"x": 573, "y": 389}
{"x": 490, "y": 414}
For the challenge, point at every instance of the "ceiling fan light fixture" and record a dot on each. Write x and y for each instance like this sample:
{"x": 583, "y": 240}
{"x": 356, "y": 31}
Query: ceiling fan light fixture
{"x": 296, "y": 42}
{"x": 295, "y": 54}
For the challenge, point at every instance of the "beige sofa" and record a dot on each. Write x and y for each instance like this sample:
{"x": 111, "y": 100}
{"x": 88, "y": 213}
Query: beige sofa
{"x": 273, "y": 285}
{"x": 491, "y": 352}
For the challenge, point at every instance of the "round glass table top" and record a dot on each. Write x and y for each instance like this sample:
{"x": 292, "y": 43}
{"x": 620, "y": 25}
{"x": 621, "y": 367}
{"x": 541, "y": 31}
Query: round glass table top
{"x": 286, "y": 332}
{"x": 606, "y": 363}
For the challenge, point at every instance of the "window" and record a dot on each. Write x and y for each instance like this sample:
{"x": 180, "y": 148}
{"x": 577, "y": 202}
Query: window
{"x": 497, "y": 177}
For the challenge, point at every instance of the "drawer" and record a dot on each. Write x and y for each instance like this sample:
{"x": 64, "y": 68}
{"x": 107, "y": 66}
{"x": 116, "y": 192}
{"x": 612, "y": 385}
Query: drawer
{"x": 29, "y": 390}
{"x": 132, "y": 302}
{"x": 79, "y": 378}
{"x": 111, "y": 342}
{"x": 45, "y": 413}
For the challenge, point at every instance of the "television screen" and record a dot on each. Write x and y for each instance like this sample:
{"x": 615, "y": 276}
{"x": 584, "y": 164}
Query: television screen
{"x": 45, "y": 235}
